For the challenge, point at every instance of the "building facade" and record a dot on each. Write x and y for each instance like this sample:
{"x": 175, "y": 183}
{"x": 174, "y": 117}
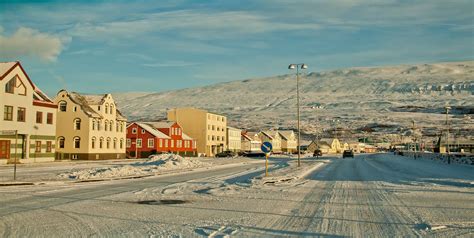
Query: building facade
{"x": 147, "y": 138}
{"x": 234, "y": 139}
{"x": 89, "y": 127}
{"x": 288, "y": 141}
{"x": 250, "y": 142}
{"x": 208, "y": 129}
{"x": 272, "y": 137}
{"x": 27, "y": 118}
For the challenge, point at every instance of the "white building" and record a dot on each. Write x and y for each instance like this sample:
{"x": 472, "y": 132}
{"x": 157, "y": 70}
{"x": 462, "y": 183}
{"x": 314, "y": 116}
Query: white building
{"x": 233, "y": 139}
{"x": 89, "y": 127}
{"x": 28, "y": 118}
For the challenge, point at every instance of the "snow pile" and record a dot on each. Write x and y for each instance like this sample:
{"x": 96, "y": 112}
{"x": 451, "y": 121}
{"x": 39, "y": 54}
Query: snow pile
{"x": 155, "y": 164}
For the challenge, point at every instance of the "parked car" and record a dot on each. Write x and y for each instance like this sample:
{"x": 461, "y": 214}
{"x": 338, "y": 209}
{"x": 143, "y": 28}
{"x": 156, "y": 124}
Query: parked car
{"x": 348, "y": 153}
{"x": 254, "y": 154}
{"x": 317, "y": 153}
{"x": 226, "y": 154}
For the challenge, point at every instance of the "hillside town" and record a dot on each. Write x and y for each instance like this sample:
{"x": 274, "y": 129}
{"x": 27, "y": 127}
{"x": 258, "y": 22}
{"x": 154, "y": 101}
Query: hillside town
{"x": 74, "y": 126}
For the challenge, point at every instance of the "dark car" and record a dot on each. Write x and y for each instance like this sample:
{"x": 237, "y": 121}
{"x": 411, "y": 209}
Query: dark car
{"x": 254, "y": 154}
{"x": 317, "y": 153}
{"x": 226, "y": 154}
{"x": 348, "y": 153}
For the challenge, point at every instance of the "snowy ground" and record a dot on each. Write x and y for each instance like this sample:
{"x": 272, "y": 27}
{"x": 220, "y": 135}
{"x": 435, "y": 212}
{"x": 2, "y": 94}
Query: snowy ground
{"x": 371, "y": 195}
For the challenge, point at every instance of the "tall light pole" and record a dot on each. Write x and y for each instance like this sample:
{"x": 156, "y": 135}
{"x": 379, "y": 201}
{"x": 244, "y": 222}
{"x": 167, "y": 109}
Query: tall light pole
{"x": 298, "y": 66}
{"x": 447, "y": 129}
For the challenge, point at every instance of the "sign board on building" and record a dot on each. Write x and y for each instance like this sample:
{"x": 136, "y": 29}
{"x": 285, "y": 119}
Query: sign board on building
{"x": 8, "y": 132}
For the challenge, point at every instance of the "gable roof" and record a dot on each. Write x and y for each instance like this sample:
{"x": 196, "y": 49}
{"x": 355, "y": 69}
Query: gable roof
{"x": 152, "y": 130}
{"x": 286, "y": 134}
{"x": 85, "y": 102}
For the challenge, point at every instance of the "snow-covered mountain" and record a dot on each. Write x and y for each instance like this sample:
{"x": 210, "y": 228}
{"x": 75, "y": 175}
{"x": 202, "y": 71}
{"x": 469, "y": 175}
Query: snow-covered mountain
{"x": 389, "y": 97}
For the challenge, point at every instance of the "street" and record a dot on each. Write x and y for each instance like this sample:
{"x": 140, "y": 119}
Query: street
{"x": 370, "y": 195}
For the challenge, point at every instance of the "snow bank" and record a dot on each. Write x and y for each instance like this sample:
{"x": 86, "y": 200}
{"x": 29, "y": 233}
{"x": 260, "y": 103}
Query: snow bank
{"x": 155, "y": 164}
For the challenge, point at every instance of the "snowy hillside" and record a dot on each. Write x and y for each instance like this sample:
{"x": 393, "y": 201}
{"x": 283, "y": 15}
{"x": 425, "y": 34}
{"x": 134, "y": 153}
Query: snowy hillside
{"x": 347, "y": 98}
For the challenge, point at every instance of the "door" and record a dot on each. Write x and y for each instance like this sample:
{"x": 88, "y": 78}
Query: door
{"x": 4, "y": 149}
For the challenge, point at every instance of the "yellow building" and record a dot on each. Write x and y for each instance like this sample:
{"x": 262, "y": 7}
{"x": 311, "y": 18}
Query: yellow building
{"x": 272, "y": 137}
{"x": 89, "y": 127}
{"x": 288, "y": 141}
{"x": 208, "y": 129}
{"x": 233, "y": 139}
{"x": 28, "y": 118}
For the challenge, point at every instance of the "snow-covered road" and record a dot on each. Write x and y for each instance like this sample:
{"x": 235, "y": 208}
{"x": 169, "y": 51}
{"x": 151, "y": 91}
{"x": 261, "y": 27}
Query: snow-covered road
{"x": 371, "y": 195}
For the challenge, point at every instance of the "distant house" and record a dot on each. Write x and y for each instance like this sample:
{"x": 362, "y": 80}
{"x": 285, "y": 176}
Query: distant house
{"x": 144, "y": 139}
{"x": 288, "y": 141}
{"x": 326, "y": 145}
{"x": 272, "y": 137}
{"x": 250, "y": 142}
{"x": 233, "y": 139}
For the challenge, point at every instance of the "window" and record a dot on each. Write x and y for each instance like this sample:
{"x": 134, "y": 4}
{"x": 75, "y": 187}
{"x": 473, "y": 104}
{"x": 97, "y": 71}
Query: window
{"x": 134, "y": 130}
{"x": 39, "y": 117}
{"x": 98, "y": 108}
{"x": 106, "y": 108}
{"x": 49, "y": 146}
{"x": 75, "y": 109}
{"x": 49, "y": 118}
{"x": 38, "y": 146}
{"x": 143, "y": 131}
{"x": 10, "y": 86}
{"x": 151, "y": 143}
{"x": 101, "y": 142}
{"x": 8, "y": 113}
{"x": 20, "y": 115}
{"x": 208, "y": 127}
{"x": 115, "y": 143}
{"x": 77, "y": 142}
{"x": 108, "y": 143}
{"x": 218, "y": 138}
{"x": 106, "y": 125}
{"x": 139, "y": 143}
{"x": 129, "y": 143}
{"x": 111, "y": 108}
{"x": 121, "y": 126}
{"x": 213, "y": 128}
{"x": 93, "y": 125}
{"x": 161, "y": 142}
{"x": 93, "y": 142}
{"x": 213, "y": 138}
{"x": 62, "y": 106}
{"x": 166, "y": 143}
{"x": 77, "y": 124}
{"x": 121, "y": 143}
{"x": 111, "y": 125}
{"x": 98, "y": 125}
{"x": 172, "y": 143}
{"x": 61, "y": 142}
{"x": 180, "y": 143}
{"x": 117, "y": 126}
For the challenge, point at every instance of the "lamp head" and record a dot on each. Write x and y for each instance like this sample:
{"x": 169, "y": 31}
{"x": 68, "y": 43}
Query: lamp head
{"x": 291, "y": 66}
{"x": 304, "y": 66}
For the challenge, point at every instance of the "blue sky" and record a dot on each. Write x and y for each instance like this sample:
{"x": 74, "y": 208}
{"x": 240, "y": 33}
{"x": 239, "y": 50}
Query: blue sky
{"x": 118, "y": 46}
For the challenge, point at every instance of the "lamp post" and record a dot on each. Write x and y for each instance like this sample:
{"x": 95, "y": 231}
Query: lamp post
{"x": 298, "y": 66}
{"x": 447, "y": 132}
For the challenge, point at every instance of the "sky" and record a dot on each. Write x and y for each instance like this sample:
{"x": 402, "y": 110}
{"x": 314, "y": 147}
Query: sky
{"x": 154, "y": 46}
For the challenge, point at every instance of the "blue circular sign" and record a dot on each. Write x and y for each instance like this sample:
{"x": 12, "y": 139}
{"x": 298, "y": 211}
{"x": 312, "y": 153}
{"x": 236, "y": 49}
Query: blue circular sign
{"x": 266, "y": 147}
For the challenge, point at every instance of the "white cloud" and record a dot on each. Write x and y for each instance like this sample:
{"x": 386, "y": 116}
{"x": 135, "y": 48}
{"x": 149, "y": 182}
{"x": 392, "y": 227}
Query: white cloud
{"x": 32, "y": 43}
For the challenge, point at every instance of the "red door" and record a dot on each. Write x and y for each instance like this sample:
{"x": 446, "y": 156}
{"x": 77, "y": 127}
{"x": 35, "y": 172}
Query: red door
{"x": 4, "y": 149}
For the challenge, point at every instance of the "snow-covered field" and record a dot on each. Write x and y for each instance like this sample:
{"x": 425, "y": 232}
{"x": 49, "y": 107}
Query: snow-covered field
{"x": 378, "y": 195}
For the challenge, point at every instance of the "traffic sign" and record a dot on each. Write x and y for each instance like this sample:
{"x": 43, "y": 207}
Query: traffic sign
{"x": 266, "y": 147}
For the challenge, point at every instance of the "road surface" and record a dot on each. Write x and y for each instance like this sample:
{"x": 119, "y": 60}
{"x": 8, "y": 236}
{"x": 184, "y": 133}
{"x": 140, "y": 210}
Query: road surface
{"x": 377, "y": 195}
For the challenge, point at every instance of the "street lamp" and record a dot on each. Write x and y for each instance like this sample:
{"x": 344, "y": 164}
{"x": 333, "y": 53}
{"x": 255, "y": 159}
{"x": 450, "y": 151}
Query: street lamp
{"x": 297, "y": 67}
{"x": 447, "y": 131}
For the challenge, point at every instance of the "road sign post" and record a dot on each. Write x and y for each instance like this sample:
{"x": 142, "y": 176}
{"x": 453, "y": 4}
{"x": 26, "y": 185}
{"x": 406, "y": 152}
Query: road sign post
{"x": 267, "y": 149}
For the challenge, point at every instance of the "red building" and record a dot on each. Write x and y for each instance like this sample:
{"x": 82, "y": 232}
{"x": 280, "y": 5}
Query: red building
{"x": 146, "y": 138}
